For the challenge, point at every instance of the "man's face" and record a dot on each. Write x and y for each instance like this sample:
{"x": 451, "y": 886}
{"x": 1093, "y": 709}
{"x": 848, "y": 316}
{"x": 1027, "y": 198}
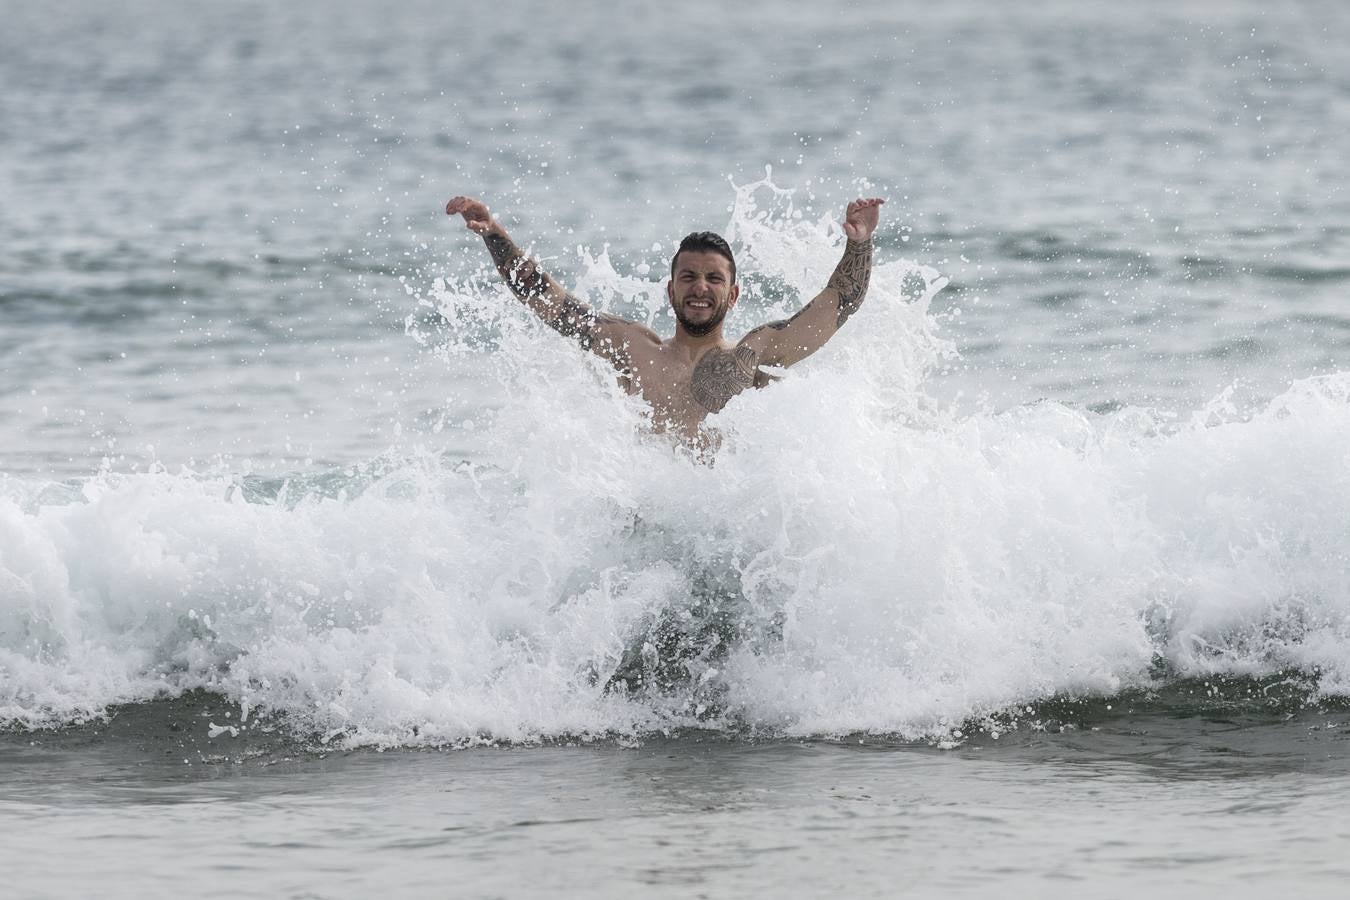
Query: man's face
{"x": 702, "y": 290}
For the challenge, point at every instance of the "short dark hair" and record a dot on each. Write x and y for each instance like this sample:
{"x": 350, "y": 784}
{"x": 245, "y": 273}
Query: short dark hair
{"x": 705, "y": 242}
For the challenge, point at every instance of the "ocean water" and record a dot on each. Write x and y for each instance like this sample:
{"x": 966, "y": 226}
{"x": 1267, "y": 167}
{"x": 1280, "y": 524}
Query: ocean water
{"x": 324, "y": 570}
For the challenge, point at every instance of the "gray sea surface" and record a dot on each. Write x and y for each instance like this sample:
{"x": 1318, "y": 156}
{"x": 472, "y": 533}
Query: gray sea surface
{"x": 1171, "y": 804}
{"x": 255, "y": 456}
{"x": 208, "y": 209}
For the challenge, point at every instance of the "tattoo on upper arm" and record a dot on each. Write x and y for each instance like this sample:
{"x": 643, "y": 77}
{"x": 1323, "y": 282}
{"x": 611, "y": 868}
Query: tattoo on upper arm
{"x": 722, "y": 374}
{"x": 851, "y": 276}
{"x": 777, "y": 325}
{"x": 572, "y": 318}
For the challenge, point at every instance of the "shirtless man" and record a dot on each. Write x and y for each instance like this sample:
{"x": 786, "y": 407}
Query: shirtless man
{"x": 695, "y": 372}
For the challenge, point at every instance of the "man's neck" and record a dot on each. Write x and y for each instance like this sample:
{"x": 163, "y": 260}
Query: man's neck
{"x": 695, "y": 344}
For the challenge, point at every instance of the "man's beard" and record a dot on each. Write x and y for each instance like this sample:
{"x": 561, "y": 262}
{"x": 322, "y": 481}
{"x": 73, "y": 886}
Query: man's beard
{"x": 699, "y": 329}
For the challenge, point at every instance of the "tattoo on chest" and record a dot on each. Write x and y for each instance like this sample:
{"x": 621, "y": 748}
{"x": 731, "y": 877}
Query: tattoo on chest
{"x": 721, "y": 375}
{"x": 851, "y": 276}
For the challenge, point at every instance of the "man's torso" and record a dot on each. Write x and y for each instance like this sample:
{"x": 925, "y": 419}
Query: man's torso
{"x": 683, "y": 388}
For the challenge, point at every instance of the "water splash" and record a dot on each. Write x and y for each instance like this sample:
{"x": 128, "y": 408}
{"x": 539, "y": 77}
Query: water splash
{"x": 859, "y": 558}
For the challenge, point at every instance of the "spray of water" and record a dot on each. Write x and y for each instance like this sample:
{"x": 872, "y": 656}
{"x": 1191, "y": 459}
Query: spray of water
{"x": 858, "y": 558}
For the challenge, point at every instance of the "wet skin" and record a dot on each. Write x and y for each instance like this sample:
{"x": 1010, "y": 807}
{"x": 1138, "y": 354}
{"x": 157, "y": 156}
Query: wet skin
{"x": 695, "y": 372}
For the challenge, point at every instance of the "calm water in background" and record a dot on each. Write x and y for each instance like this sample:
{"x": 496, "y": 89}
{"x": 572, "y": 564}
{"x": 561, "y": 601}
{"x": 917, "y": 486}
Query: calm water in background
{"x": 269, "y": 430}
{"x": 1134, "y": 205}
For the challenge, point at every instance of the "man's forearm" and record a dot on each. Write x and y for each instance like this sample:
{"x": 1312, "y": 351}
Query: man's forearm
{"x": 560, "y": 310}
{"x": 850, "y": 278}
{"x": 520, "y": 272}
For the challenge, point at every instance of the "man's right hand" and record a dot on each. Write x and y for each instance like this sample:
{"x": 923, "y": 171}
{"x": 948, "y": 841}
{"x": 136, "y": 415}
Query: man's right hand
{"x": 476, "y": 216}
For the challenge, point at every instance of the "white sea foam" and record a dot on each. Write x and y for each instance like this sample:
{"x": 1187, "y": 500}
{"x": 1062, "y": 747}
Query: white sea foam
{"x": 858, "y": 558}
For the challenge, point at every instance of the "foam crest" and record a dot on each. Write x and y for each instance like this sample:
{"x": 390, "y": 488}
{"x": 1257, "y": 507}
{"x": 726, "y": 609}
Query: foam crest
{"x": 858, "y": 558}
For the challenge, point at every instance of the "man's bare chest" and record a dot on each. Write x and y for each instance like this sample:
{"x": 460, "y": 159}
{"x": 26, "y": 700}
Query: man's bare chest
{"x": 684, "y": 389}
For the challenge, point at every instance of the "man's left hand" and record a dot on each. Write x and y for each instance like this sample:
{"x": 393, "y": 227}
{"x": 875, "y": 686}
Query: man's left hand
{"x": 860, "y": 219}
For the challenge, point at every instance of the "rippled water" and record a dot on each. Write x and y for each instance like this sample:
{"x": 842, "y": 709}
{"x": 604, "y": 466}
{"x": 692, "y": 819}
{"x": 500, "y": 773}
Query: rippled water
{"x": 274, "y": 443}
{"x": 1173, "y": 803}
{"x": 1134, "y": 205}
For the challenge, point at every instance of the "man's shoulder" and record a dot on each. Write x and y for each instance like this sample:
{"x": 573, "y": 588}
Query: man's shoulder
{"x": 630, "y": 331}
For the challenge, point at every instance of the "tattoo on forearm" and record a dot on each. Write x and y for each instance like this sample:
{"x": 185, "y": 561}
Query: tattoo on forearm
{"x": 851, "y": 276}
{"x": 503, "y": 250}
{"x": 570, "y": 317}
{"x": 520, "y": 272}
{"x": 722, "y": 374}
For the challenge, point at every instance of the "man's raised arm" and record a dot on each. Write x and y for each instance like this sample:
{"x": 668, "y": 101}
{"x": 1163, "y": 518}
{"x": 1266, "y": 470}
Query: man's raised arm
{"x": 596, "y": 331}
{"x": 791, "y": 340}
